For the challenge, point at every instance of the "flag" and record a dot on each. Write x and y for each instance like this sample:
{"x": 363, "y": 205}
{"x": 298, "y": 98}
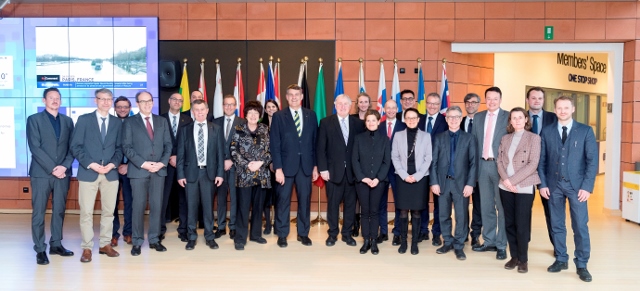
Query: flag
{"x": 382, "y": 91}
{"x": 238, "y": 91}
{"x": 271, "y": 89}
{"x": 339, "y": 85}
{"x": 361, "y": 87}
{"x": 202, "y": 87}
{"x": 395, "y": 87}
{"x": 276, "y": 81}
{"x": 217, "y": 95}
{"x": 320, "y": 107}
{"x": 184, "y": 90}
{"x": 262, "y": 87}
{"x": 302, "y": 82}
{"x": 444, "y": 91}
{"x": 422, "y": 106}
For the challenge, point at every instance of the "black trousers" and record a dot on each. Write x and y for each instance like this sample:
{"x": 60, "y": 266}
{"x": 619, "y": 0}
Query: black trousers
{"x": 199, "y": 192}
{"x": 343, "y": 192}
{"x": 249, "y": 199}
{"x": 303, "y": 191}
{"x": 171, "y": 187}
{"x": 517, "y": 222}
{"x": 547, "y": 216}
{"x": 370, "y": 203}
{"x": 476, "y": 215}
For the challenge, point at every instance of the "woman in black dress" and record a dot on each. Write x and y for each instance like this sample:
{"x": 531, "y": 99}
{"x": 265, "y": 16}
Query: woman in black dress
{"x": 411, "y": 158}
{"x": 371, "y": 161}
{"x": 270, "y": 107}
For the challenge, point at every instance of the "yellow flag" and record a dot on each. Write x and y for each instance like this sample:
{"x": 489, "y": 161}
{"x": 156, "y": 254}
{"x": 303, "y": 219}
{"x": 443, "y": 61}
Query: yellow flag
{"x": 184, "y": 90}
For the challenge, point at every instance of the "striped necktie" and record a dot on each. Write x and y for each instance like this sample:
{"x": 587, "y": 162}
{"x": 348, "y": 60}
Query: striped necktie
{"x": 296, "y": 120}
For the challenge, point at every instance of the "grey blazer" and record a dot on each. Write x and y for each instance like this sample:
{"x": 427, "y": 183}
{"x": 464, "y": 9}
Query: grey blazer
{"x": 87, "y": 146}
{"x": 138, "y": 147}
{"x": 500, "y": 130}
{"x": 46, "y": 151}
{"x": 464, "y": 161}
{"x": 399, "y": 154}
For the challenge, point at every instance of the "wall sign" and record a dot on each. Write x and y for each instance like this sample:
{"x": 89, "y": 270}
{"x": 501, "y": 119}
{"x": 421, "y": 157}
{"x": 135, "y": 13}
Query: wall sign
{"x": 579, "y": 62}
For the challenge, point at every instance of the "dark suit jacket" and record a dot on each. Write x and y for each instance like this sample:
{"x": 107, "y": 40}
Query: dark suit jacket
{"x": 333, "y": 154}
{"x": 371, "y": 156}
{"x": 582, "y": 157}
{"x": 382, "y": 129}
{"x": 439, "y": 125}
{"x": 463, "y": 123}
{"x": 187, "y": 154}
{"x": 87, "y": 146}
{"x": 288, "y": 150}
{"x": 183, "y": 120}
{"x": 464, "y": 162}
{"x": 227, "y": 143}
{"x": 139, "y": 148}
{"x": 47, "y": 152}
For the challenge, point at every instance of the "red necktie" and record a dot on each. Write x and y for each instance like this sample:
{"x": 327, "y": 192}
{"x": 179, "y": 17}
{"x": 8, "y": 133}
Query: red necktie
{"x": 389, "y": 132}
{"x": 149, "y": 129}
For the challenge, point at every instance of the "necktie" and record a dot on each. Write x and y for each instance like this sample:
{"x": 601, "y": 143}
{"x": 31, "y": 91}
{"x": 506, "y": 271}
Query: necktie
{"x": 488, "y": 134}
{"x": 389, "y": 130}
{"x": 534, "y": 126}
{"x": 470, "y": 125}
{"x": 124, "y": 158}
{"x": 296, "y": 120}
{"x": 174, "y": 126}
{"x": 345, "y": 131}
{"x": 228, "y": 129}
{"x": 103, "y": 129}
{"x": 200, "y": 145}
{"x": 149, "y": 129}
{"x": 452, "y": 153}
{"x": 564, "y": 134}
{"x": 429, "y": 126}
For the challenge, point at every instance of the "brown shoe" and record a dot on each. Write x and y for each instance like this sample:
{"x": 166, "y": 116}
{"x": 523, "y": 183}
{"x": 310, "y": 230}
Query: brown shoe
{"x": 127, "y": 239}
{"x": 523, "y": 267}
{"x": 86, "y": 256}
{"x": 114, "y": 241}
{"x": 109, "y": 251}
{"x": 511, "y": 264}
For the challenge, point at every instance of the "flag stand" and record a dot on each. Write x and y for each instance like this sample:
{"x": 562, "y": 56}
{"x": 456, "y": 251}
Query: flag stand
{"x": 319, "y": 219}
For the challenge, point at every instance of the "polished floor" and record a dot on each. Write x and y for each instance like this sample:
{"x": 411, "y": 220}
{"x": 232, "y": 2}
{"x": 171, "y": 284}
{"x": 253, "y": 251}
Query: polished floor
{"x": 614, "y": 263}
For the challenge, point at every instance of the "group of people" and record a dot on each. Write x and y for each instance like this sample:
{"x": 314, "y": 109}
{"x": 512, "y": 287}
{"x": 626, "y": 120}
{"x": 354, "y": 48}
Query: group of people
{"x": 495, "y": 158}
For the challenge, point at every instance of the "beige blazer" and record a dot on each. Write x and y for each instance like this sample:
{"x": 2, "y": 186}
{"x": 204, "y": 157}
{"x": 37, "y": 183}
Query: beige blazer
{"x": 525, "y": 160}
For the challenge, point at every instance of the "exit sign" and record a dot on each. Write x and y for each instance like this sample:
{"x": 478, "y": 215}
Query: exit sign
{"x": 548, "y": 33}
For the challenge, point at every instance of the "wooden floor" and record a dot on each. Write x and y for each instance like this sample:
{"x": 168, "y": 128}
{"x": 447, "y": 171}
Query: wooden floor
{"x": 614, "y": 263}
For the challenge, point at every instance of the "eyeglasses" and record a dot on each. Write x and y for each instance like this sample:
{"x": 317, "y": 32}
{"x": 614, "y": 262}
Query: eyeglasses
{"x": 433, "y": 104}
{"x": 411, "y": 118}
{"x": 408, "y": 98}
{"x": 176, "y": 100}
{"x": 122, "y": 107}
{"x": 449, "y": 117}
{"x": 471, "y": 102}
{"x": 229, "y": 105}
{"x": 150, "y": 101}
{"x": 103, "y": 99}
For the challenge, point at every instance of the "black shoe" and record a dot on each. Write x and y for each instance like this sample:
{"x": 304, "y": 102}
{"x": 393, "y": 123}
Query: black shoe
{"x": 41, "y": 258}
{"x": 396, "y": 240}
{"x": 60, "y": 250}
{"x": 511, "y": 264}
{"x": 282, "y": 242}
{"x": 158, "y": 247}
{"x": 423, "y": 237}
{"x": 183, "y": 237}
{"x": 212, "y": 244}
{"x": 220, "y": 233}
{"x": 305, "y": 240}
{"x": 414, "y": 248}
{"x": 501, "y": 255}
{"x": 366, "y": 246}
{"x": 232, "y": 233}
{"x": 460, "y": 255}
{"x": 259, "y": 240}
{"x": 436, "y": 241}
{"x": 238, "y": 246}
{"x": 135, "y": 251}
{"x": 331, "y": 241}
{"x": 403, "y": 247}
{"x": 557, "y": 266}
{"x": 382, "y": 238}
{"x": 584, "y": 274}
{"x": 484, "y": 248}
{"x": 445, "y": 249}
{"x": 474, "y": 241}
{"x": 349, "y": 240}
{"x": 267, "y": 230}
{"x": 161, "y": 237}
{"x": 190, "y": 245}
{"x": 374, "y": 247}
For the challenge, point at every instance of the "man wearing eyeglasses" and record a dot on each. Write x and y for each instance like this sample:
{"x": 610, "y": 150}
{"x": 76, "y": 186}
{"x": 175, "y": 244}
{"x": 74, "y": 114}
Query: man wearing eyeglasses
{"x": 471, "y": 104}
{"x": 408, "y": 100}
{"x": 176, "y": 121}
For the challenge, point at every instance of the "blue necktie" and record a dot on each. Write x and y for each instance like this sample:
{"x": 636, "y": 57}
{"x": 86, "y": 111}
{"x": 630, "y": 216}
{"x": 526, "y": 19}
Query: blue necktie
{"x": 470, "y": 125}
{"x": 534, "y": 127}
{"x": 452, "y": 153}
{"x": 429, "y": 126}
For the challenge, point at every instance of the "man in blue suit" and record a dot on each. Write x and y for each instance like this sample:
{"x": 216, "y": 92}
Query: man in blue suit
{"x": 388, "y": 128}
{"x": 293, "y": 149}
{"x": 568, "y": 167}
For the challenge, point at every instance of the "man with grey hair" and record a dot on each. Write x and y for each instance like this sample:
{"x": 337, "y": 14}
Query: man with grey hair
{"x": 334, "y": 150}
{"x": 471, "y": 104}
{"x": 452, "y": 176}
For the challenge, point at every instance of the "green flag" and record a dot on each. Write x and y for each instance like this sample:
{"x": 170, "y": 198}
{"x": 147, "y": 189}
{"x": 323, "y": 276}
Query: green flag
{"x": 319, "y": 103}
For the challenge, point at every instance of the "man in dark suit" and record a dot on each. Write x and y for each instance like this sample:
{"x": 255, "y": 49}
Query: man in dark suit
{"x": 452, "y": 177}
{"x": 177, "y": 121}
{"x": 146, "y": 141}
{"x": 122, "y": 107}
{"x": 199, "y": 163}
{"x": 567, "y": 168}
{"x": 388, "y": 128}
{"x": 471, "y": 104}
{"x": 49, "y": 136}
{"x": 228, "y": 124}
{"x": 293, "y": 150}
{"x": 540, "y": 119}
{"x": 96, "y": 146}
{"x": 489, "y": 127}
{"x": 408, "y": 100}
{"x": 435, "y": 124}
{"x": 334, "y": 150}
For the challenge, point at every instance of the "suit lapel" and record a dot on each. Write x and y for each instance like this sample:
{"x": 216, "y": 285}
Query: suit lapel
{"x": 138, "y": 118}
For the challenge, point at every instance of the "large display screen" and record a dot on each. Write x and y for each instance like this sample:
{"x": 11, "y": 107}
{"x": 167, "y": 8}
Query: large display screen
{"x": 76, "y": 55}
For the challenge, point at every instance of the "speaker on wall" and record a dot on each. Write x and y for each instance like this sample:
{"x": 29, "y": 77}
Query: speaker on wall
{"x": 169, "y": 73}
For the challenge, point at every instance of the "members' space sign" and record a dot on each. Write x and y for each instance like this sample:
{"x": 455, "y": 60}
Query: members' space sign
{"x": 6, "y": 72}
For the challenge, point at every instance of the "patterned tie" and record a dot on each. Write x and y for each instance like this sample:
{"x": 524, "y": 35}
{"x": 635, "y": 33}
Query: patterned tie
{"x": 200, "y": 144}
{"x": 429, "y": 126}
{"x": 470, "y": 125}
{"x": 345, "y": 130}
{"x": 149, "y": 129}
{"x": 228, "y": 129}
{"x": 174, "y": 126}
{"x": 103, "y": 129}
{"x": 488, "y": 134}
{"x": 389, "y": 130}
{"x": 564, "y": 134}
{"x": 534, "y": 127}
{"x": 296, "y": 121}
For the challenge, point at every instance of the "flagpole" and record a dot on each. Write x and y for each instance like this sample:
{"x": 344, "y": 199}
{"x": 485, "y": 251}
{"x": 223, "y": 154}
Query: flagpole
{"x": 319, "y": 219}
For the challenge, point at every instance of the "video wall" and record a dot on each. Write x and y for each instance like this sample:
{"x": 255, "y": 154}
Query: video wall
{"x": 76, "y": 55}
